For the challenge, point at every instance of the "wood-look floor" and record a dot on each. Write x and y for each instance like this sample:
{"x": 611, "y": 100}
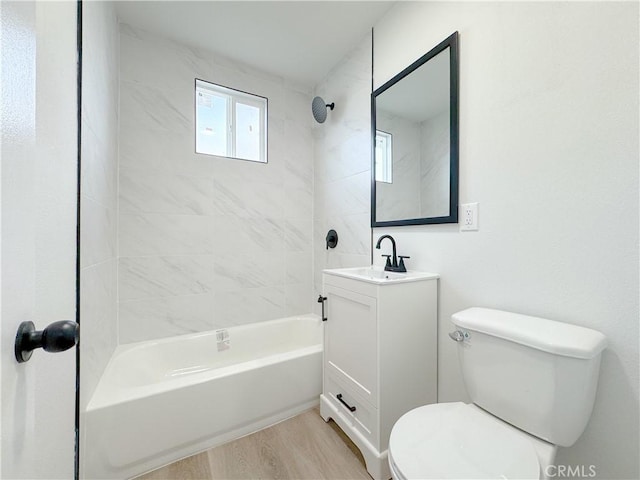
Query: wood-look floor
{"x": 303, "y": 447}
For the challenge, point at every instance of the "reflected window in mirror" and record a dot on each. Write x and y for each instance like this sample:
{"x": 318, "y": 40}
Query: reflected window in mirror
{"x": 384, "y": 157}
{"x": 418, "y": 110}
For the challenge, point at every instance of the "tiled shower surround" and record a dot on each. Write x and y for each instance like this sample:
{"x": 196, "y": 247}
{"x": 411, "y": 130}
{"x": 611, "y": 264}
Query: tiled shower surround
{"x": 99, "y": 199}
{"x": 207, "y": 242}
{"x": 342, "y": 165}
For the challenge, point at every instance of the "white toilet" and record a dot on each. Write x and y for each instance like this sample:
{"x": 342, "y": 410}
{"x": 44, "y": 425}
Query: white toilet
{"x": 532, "y": 382}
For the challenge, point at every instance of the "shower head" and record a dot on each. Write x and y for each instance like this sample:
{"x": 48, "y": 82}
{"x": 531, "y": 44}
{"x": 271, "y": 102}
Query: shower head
{"x": 319, "y": 109}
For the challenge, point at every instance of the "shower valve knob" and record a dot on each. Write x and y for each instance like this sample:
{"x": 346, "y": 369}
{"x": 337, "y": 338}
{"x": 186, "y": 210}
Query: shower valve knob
{"x": 331, "y": 239}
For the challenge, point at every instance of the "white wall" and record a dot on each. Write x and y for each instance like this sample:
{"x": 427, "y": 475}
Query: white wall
{"x": 207, "y": 242}
{"x": 549, "y": 148}
{"x": 342, "y": 165}
{"x": 98, "y": 206}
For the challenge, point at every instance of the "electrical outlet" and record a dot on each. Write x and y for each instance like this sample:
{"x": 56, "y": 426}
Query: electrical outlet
{"x": 469, "y": 217}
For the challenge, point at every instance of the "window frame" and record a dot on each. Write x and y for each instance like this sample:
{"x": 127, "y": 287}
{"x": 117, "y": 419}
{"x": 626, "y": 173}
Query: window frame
{"x": 235, "y": 97}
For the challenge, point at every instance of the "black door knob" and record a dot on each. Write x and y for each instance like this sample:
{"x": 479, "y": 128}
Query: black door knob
{"x": 57, "y": 337}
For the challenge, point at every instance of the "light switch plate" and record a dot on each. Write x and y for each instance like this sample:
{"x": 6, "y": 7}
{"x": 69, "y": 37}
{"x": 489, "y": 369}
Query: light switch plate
{"x": 468, "y": 217}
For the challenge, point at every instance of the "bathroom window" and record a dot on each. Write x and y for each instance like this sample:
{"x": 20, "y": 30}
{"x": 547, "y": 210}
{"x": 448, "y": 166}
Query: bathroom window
{"x": 230, "y": 123}
{"x": 384, "y": 160}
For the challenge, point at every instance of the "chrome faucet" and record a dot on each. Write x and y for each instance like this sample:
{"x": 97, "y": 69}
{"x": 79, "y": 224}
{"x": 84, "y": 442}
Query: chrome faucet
{"x": 392, "y": 265}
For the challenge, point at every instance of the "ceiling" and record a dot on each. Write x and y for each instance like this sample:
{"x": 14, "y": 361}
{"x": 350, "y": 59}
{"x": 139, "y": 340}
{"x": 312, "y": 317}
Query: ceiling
{"x": 298, "y": 40}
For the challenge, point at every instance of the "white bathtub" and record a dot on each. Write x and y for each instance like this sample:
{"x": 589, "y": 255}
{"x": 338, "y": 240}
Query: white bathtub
{"x": 162, "y": 400}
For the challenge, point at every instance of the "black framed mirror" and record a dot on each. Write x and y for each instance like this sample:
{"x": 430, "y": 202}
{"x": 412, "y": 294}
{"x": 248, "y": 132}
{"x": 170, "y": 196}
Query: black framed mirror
{"x": 414, "y": 135}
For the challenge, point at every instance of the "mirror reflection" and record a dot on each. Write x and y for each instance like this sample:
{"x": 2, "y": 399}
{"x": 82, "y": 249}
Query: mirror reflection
{"x": 413, "y": 157}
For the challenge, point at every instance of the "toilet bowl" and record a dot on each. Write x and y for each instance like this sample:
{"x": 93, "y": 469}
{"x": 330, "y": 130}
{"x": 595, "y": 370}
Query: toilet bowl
{"x": 461, "y": 441}
{"x": 532, "y": 382}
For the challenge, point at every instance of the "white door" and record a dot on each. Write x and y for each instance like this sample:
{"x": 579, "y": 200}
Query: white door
{"x": 38, "y": 172}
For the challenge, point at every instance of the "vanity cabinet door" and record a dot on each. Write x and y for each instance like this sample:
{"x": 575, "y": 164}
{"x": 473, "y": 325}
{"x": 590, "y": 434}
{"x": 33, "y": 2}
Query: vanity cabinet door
{"x": 351, "y": 340}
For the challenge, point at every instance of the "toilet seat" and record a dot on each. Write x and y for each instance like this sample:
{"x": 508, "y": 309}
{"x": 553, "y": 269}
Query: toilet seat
{"x": 459, "y": 441}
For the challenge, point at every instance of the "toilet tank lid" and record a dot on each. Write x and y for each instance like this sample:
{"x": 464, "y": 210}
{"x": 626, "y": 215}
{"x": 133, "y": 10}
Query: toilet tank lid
{"x": 549, "y": 336}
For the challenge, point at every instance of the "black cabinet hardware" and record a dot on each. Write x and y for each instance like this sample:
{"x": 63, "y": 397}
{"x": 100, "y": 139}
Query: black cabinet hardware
{"x": 351, "y": 409}
{"x": 321, "y": 300}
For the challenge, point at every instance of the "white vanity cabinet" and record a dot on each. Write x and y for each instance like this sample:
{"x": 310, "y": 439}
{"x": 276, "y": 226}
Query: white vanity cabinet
{"x": 380, "y": 354}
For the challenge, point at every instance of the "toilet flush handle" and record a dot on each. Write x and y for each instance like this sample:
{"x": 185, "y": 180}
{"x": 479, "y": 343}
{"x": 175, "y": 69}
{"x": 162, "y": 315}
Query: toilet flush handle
{"x": 458, "y": 335}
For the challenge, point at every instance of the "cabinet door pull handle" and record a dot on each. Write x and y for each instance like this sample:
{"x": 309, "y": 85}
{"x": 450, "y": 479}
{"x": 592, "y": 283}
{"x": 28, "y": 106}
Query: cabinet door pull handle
{"x": 351, "y": 409}
{"x": 321, "y": 300}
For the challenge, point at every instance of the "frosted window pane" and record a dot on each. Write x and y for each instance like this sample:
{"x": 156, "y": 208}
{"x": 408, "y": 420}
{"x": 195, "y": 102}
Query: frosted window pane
{"x": 247, "y": 132}
{"x": 211, "y": 124}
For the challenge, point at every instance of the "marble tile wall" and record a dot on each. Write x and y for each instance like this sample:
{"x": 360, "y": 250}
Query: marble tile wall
{"x": 207, "y": 242}
{"x": 342, "y": 161}
{"x": 98, "y": 205}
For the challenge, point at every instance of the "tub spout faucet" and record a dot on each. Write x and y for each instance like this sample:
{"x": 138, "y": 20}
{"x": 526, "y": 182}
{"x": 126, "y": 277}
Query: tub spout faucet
{"x": 392, "y": 260}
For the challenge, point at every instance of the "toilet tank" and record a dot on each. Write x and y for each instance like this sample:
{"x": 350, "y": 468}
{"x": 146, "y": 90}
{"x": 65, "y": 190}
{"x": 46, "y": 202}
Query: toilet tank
{"x": 536, "y": 374}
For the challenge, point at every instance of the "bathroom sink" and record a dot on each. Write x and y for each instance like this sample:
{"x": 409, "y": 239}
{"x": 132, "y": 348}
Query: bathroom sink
{"x": 379, "y": 276}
